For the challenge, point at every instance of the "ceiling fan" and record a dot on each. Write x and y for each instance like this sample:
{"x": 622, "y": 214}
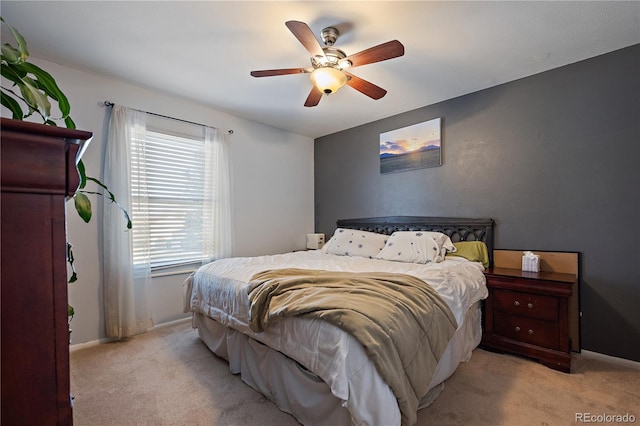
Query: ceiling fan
{"x": 328, "y": 64}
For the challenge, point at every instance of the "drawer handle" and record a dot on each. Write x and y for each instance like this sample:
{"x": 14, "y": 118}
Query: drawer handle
{"x": 517, "y": 328}
{"x": 516, "y": 303}
{"x": 530, "y": 331}
{"x": 530, "y": 305}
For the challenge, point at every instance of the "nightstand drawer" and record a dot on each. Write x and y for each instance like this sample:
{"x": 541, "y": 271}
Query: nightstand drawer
{"x": 525, "y": 304}
{"x": 526, "y": 330}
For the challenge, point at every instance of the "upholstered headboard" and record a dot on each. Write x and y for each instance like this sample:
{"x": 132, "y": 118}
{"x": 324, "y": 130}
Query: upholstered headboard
{"x": 458, "y": 229}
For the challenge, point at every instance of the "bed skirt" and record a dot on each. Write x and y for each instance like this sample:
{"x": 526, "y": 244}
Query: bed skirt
{"x": 299, "y": 392}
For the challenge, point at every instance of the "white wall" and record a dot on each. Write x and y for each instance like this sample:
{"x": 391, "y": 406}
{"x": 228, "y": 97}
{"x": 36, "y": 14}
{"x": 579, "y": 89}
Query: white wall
{"x": 271, "y": 177}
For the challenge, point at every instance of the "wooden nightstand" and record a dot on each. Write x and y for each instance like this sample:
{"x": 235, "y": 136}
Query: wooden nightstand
{"x": 527, "y": 313}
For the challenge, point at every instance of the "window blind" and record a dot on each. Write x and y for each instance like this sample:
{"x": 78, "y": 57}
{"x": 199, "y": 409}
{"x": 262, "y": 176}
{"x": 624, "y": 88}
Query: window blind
{"x": 167, "y": 179}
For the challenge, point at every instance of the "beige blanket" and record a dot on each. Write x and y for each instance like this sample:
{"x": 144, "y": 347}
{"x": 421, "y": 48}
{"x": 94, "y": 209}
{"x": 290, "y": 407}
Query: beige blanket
{"x": 402, "y": 323}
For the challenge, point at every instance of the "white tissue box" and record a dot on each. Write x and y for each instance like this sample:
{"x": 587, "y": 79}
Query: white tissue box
{"x": 531, "y": 263}
{"x": 315, "y": 241}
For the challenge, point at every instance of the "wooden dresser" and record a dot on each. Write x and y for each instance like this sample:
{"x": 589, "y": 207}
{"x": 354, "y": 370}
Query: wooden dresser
{"x": 533, "y": 314}
{"x": 38, "y": 172}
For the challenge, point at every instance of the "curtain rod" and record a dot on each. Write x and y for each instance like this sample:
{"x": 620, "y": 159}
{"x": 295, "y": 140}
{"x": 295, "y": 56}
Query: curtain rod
{"x": 110, "y": 104}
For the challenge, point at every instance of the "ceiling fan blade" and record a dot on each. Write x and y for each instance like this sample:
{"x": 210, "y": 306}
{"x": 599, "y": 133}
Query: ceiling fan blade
{"x": 365, "y": 87}
{"x": 282, "y": 71}
{"x": 382, "y": 52}
{"x": 314, "y": 97}
{"x": 305, "y": 36}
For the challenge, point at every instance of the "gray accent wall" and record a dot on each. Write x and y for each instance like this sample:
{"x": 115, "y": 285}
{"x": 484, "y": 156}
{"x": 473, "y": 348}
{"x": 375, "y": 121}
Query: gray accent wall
{"x": 553, "y": 158}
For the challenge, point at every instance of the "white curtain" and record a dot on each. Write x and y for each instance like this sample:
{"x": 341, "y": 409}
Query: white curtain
{"x": 217, "y": 232}
{"x": 125, "y": 286}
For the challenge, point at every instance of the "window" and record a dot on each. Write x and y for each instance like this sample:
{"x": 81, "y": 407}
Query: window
{"x": 170, "y": 206}
{"x": 172, "y": 176}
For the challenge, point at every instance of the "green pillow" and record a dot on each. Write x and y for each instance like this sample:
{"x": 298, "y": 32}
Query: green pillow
{"x": 475, "y": 251}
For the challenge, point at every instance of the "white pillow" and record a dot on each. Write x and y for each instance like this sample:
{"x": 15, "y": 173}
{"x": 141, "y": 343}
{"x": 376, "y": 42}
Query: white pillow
{"x": 351, "y": 242}
{"x": 416, "y": 247}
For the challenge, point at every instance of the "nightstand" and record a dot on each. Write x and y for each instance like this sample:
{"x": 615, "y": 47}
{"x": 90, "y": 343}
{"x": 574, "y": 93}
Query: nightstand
{"x": 527, "y": 313}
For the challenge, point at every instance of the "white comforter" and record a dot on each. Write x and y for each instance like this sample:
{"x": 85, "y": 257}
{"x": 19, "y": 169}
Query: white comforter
{"x": 219, "y": 291}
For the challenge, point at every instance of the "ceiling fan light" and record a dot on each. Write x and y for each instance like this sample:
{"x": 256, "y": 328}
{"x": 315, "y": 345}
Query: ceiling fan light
{"x": 320, "y": 61}
{"x": 328, "y": 80}
{"x": 344, "y": 63}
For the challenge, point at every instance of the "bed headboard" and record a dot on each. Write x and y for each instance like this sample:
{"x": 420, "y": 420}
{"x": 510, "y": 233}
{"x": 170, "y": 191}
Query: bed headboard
{"x": 458, "y": 229}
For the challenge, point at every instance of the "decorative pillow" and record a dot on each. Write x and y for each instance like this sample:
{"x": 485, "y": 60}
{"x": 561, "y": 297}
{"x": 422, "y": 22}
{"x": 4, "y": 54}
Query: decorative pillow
{"x": 351, "y": 242}
{"x": 416, "y": 247}
{"x": 475, "y": 251}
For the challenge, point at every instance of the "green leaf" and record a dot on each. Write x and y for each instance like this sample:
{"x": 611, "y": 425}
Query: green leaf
{"x": 12, "y": 105}
{"x": 69, "y": 123}
{"x": 36, "y": 85}
{"x": 126, "y": 216}
{"x": 13, "y": 73}
{"x": 35, "y": 100}
{"x": 71, "y": 260}
{"x": 28, "y": 97}
{"x": 49, "y": 86}
{"x": 22, "y": 44}
{"x": 10, "y": 54}
{"x": 70, "y": 311}
{"x": 83, "y": 206}
{"x": 112, "y": 198}
{"x": 103, "y": 186}
{"x": 83, "y": 174}
{"x": 43, "y": 106}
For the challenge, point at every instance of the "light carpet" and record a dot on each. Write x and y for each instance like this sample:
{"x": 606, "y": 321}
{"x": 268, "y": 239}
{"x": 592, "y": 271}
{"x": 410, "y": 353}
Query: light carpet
{"x": 169, "y": 377}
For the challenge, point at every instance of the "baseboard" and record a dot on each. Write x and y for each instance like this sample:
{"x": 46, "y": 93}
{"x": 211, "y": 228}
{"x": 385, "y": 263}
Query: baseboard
{"x": 171, "y": 323}
{"x": 635, "y": 365}
{"x": 92, "y": 343}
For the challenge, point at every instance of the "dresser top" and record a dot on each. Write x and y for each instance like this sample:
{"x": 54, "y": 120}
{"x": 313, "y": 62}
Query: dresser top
{"x": 542, "y": 275}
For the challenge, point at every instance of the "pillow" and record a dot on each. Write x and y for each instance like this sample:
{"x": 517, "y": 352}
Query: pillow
{"x": 475, "y": 251}
{"x": 351, "y": 242}
{"x": 416, "y": 247}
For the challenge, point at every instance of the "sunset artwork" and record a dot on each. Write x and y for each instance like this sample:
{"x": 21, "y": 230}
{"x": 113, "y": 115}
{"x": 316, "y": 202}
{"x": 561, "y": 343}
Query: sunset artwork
{"x": 412, "y": 147}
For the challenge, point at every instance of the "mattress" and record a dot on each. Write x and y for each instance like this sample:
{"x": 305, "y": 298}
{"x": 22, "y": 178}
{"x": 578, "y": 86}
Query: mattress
{"x": 218, "y": 291}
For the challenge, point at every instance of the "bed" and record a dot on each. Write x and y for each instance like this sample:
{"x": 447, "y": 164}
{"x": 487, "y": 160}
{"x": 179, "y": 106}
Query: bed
{"x": 311, "y": 367}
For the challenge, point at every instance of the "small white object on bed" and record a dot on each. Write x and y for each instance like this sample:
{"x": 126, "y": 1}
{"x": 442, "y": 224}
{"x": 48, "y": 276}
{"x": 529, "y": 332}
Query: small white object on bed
{"x": 218, "y": 292}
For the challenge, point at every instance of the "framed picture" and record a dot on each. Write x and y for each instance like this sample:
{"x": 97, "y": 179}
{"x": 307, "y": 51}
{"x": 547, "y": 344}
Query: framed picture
{"x": 412, "y": 147}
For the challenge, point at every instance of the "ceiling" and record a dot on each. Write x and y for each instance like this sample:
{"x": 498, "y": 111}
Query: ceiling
{"x": 204, "y": 50}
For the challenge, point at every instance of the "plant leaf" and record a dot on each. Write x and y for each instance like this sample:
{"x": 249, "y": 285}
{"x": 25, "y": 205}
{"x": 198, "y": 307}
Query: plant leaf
{"x": 41, "y": 99}
{"x": 71, "y": 260}
{"x": 83, "y": 174}
{"x": 13, "y": 73}
{"x": 36, "y": 85}
{"x": 49, "y": 86}
{"x": 103, "y": 186}
{"x": 83, "y": 206}
{"x": 112, "y": 198}
{"x": 10, "y": 54}
{"x": 12, "y": 105}
{"x": 22, "y": 44}
{"x": 28, "y": 97}
{"x": 35, "y": 99}
{"x": 69, "y": 123}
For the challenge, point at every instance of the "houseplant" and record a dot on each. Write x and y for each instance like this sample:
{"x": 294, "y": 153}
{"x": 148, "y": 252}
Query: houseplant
{"x": 35, "y": 89}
